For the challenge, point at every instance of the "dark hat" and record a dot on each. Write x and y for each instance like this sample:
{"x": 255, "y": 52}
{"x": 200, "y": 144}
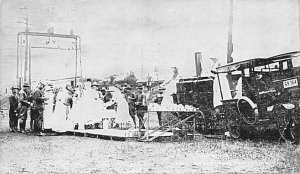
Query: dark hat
{"x": 95, "y": 84}
{"x": 128, "y": 87}
{"x": 70, "y": 88}
{"x": 26, "y": 85}
{"x": 14, "y": 87}
{"x": 42, "y": 83}
{"x": 161, "y": 88}
{"x": 139, "y": 86}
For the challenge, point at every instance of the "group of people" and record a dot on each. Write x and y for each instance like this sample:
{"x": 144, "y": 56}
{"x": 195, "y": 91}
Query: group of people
{"x": 24, "y": 101}
{"x": 62, "y": 108}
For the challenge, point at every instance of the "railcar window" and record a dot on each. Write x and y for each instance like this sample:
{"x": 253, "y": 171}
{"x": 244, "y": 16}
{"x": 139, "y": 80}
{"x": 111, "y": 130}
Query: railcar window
{"x": 268, "y": 68}
{"x": 247, "y": 72}
{"x": 259, "y": 68}
{"x": 274, "y": 66}
{"x": 284, "y": 65}
{"x": 296, "y": 61}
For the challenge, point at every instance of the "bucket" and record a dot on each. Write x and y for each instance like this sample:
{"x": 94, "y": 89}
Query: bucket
{"x": 105, "y": 123}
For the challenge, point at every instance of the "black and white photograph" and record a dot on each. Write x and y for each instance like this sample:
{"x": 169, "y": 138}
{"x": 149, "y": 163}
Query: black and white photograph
{"x": 149, "y": 86}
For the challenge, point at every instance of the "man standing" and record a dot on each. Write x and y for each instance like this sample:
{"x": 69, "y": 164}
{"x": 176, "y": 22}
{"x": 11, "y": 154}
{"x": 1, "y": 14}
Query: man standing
{"x": 158, "y": 100}
{"x": 13, "y": 109}
{"x": 102, "y": 94}
{"x": 25, "y": 104}
{"x": 105, "y": 95}
{"x": 130, "y": 98}
{"x": 38, "y": 109}
{"x": 69, "y": 99}
{"x": 140, "y": 105}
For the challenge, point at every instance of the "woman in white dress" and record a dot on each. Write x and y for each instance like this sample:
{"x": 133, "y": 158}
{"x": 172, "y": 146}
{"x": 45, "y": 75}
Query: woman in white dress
{"x": 74, "y": 117}
{"x": 123, "y": 116}
{"x": 61, "y": 111}
{"x": 49, "y": 109}
{"x": 87, "y": 109}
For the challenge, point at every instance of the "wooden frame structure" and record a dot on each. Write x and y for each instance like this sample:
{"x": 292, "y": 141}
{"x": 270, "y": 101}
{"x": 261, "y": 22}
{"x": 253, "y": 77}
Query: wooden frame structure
{"x": 25, "y": 75}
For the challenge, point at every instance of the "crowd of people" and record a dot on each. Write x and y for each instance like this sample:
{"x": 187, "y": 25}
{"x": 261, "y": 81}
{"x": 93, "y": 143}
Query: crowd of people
{"x": 63, "y": 108}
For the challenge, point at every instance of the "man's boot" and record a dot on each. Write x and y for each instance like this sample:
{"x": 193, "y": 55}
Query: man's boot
{"x": 22, "y": 126}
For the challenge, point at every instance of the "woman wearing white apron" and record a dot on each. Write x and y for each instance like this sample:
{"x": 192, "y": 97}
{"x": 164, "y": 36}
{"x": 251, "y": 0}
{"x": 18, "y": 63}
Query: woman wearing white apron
{"x": 87, "y": 108}
{"x": 60, "y": 112}
{"x": 49, "y": 107}
{"x": 123, "y": 116}
{"x": 73, "y": 117}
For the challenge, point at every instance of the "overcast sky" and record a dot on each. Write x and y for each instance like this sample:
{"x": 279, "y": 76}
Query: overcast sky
{"x": 122, "y": 35}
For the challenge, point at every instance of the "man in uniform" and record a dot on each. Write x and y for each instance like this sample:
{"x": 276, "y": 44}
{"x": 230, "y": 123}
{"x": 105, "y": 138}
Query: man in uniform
{"x": 38, "y": 109}
{"x": 140, "y": 105}
{"x": 158, "y": 100}
{"x": 25, "y": 104}
{"x": 95, "y": 86}
{"x": 102, "y": 94}
{"x": 105, "y": 95}
{"x": 13, "y": 109}
{"x": 130, "y": 98}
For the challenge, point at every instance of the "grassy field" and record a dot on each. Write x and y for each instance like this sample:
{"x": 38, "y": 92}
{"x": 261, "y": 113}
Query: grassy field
{"x": 68, "y": 154}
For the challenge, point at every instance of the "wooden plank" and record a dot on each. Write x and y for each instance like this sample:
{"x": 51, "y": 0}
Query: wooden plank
{"x": 107, "y": 132}
{"x": 115, "y": 134}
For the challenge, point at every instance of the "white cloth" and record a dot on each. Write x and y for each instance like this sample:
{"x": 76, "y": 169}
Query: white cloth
{"x": 122, "y": 107}
{"x": 167, "y": 100}
{"x": 48, "y": 112}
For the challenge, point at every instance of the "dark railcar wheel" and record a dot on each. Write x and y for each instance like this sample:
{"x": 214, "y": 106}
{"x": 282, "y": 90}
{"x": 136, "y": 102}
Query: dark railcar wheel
{"x": 287, "y": 131}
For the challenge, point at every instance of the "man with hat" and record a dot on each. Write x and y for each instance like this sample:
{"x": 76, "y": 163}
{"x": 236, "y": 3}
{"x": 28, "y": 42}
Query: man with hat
{"x": 158, "y": 100}
{"x": 105, "y": 95}
{"x": 13, "y": 109}
{"x": 95, "y": 86}
{"x": 102, "y": 93}
{"x": 36, "y": 122}
{"x": 25, "y": 104}
{"x": 130, "y": 98}
{"x": 140, "y": 105}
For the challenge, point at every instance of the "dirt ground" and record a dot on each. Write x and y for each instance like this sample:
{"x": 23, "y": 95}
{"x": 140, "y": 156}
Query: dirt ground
{"x": 69, "y": 154}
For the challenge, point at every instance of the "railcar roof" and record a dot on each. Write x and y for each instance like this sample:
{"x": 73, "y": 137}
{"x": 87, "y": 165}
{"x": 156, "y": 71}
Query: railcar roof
{"x": 255, "y": 62}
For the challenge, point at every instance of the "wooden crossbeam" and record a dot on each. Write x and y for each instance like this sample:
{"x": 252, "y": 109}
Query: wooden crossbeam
{"x": 177, "y": 124}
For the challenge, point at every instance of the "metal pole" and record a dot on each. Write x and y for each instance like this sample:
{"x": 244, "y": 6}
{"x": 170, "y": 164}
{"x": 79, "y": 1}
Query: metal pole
{"x": 80, "y": 56}
{"x": 21, "y": 61}
{"x": 18, "y": 80}
{"x": 75, "y": 82}
{"x": 142, "y": 66}
{"x": 29, "y": 78}
{"x": 26, "y": 49}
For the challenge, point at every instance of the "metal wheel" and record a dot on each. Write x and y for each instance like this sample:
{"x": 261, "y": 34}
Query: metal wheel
{"x": 235, "y": 132}
{"x": 286, "y": 129}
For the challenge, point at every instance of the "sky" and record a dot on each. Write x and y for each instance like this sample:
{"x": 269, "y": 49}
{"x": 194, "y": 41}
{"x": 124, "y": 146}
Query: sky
{"x": 122, "y": 35}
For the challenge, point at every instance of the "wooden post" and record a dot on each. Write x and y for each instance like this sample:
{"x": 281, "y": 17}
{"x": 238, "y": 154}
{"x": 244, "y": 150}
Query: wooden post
{"x": 139, "y": 127}
{"x": 194, "y": 127}
{"x": 148, "y": 125}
